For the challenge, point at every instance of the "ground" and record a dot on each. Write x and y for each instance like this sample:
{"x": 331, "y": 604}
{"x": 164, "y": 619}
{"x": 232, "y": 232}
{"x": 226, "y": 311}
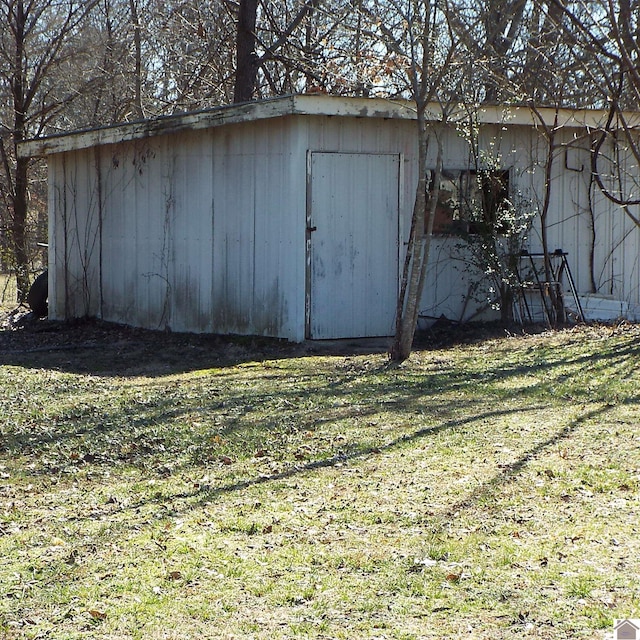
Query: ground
{"x": 183, "y": 487}
{"x": 21, "y": 332}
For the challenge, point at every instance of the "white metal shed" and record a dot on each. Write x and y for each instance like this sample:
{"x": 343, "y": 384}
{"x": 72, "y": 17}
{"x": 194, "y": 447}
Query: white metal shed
{"x": 283, "y": 218}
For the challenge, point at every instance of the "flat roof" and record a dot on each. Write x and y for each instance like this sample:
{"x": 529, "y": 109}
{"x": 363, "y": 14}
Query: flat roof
{"x": 305, "y": 104}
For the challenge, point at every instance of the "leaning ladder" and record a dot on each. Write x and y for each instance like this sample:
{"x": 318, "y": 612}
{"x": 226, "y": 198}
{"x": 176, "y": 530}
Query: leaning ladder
{"x": 533, "y": 264}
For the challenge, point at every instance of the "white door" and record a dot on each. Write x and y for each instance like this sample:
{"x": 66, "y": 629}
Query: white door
{"x": 353, "y": 221}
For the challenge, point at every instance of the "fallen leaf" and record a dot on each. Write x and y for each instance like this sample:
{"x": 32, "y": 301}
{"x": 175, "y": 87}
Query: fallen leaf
{"x": 97, "y": 615}
{"x": 175, "y": 575}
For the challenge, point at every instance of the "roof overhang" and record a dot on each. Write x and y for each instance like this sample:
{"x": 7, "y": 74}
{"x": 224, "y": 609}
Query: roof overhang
{"x": 309, "y": 105}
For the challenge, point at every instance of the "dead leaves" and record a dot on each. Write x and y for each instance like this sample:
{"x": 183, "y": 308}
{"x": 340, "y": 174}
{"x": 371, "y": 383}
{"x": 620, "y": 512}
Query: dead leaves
{"x": 97, "y": 615}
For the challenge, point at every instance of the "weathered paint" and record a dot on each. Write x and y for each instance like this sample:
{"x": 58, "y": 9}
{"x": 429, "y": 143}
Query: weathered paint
{"x": 573, "y": 201}
{"x": 320, "y": 105}
{"x": 181, "y": 232}
{"x": 354, "y": 271}
{"x": 199, "y": 222}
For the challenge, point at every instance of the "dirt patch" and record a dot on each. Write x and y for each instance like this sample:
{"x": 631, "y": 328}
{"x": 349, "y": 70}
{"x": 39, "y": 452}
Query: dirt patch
{"x": 104, "y": 343}
{"x": 107, "y": 348}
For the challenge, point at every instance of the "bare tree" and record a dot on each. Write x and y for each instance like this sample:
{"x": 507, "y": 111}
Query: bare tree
{"x": 107, "y": 73}
{"x": 189, "y": 55}
{"x": 605, "y": 35}
{"x": 35, "y": 43}
{"x": 429, "y": 62}
{"x": 246, "y": 57}
{"x": 266, "y": 35}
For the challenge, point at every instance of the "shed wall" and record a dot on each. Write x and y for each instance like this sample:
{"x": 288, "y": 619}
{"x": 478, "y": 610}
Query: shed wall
{"x": 206, "y": 231}
{"x": 602, "y": 242}
{"x": 183, "y": 232}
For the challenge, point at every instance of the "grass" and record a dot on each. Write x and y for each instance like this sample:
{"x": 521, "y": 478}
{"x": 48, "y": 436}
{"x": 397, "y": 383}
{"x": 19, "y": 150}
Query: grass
{"x": 486, "y": 490}
{"x": 8, "y": 290}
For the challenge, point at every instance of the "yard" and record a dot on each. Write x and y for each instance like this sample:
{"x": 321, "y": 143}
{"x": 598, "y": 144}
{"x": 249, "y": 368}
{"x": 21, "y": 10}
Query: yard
{"x": 168, "y": 486}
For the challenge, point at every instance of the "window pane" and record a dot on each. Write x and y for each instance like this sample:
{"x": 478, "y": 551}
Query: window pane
{"x": 469, "y": 200}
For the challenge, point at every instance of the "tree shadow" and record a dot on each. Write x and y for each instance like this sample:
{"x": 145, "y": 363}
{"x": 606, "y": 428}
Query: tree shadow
{"x": 181, "y": 502}
{"x": 99, "y": 348}
{"x": 143, "y": 432}
{"x": 145, "y": 423}
{"x": 105, "y": 349}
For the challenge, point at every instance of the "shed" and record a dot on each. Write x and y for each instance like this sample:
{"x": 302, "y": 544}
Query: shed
{"x": 289, "y": 217}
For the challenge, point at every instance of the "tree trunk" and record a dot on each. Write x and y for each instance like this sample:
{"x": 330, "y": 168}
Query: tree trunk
{"x": 418, "y": 248}
{"x": 21, "y": 170}
{"x": 29, "y": 62}
{"x": 19, "y": 228}
{"x": 137, "y": 42}
{"x": 246, "y": 59}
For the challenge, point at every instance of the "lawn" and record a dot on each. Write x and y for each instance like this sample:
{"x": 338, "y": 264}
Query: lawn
{"x": 176, "y": 487}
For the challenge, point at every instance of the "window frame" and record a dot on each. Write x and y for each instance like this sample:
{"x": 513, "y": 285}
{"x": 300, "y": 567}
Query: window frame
{"x": 459, "y": 195}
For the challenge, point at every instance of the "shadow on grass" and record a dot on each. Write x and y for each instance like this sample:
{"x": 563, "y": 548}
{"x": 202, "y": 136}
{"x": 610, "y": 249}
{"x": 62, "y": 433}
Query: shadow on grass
{"x": 156, "y": 414}
{"x": 180, "y": 502}
{"x": 359, "y": 453}
{"x": 510, "y": 472}
{"x": 162, "y": 419}
{"x": 156, "y": 423}
{"x": 99, "y": 348}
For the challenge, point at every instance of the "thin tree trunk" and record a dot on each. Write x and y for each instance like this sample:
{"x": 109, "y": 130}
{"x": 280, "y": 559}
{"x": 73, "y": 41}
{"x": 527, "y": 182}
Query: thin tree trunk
{"x": 19, "y": 228}
{"x": 21, "y": 171}
{"x": 137, "y": 41}
{"x": 555, "y": 295}
{"x": 417, "y": 257}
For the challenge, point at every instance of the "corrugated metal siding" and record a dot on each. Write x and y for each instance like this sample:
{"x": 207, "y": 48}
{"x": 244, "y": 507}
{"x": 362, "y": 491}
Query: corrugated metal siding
{"x": 259, "y": 222}
{"x": 200, "y": 232}
{"x": 74, "y": 255}
{"x": 205, "y": 231}
{"x": 189, "y": 209}
{"x": 624, "y": 271}
{"x": 524, "y": 151}
{"x": 136, "y": 233}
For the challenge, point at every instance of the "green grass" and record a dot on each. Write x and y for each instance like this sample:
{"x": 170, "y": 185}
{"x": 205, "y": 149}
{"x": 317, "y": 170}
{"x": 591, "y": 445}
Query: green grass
{"x": 487, "y": 490}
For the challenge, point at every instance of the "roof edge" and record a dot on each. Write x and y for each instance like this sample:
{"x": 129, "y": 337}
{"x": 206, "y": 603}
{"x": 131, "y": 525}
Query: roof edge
{"x": 126, "y": 132}
{"x": 306, "y": 104}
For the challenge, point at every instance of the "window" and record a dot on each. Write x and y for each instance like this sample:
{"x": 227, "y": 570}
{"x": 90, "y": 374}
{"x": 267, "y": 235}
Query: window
{"x": 470, "y": 201}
